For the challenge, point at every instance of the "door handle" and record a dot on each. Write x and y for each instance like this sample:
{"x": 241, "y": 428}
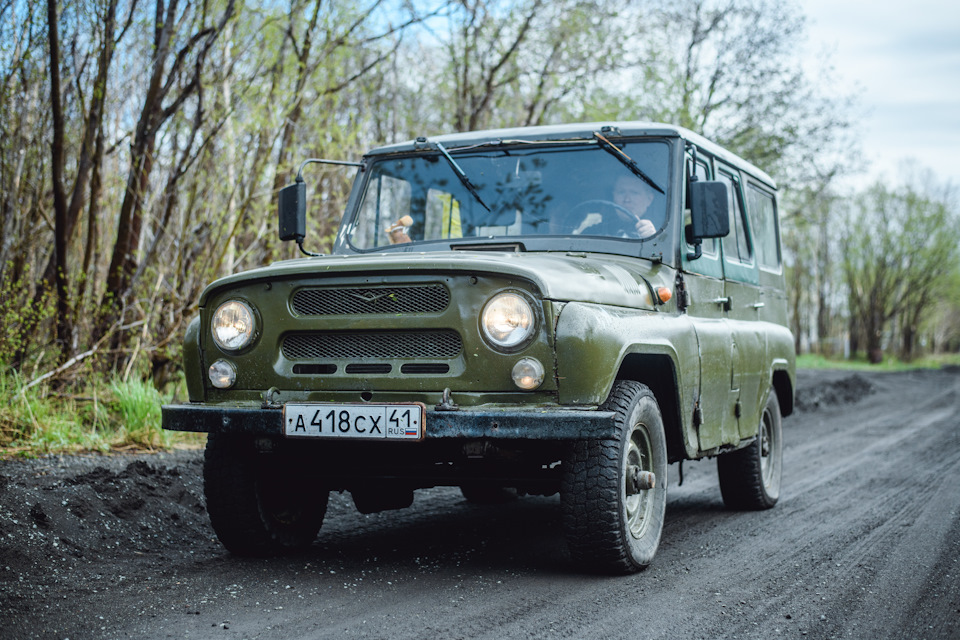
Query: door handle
{"x": 725, "y": 302}
{"x": 758, "y": 305}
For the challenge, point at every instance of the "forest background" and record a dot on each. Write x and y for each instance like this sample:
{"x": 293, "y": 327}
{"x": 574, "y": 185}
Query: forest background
{"x": 142, "y": 144}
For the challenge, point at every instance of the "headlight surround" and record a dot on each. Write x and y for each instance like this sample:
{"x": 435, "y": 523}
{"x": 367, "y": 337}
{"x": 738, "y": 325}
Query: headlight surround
{"x": 233, "y": 325}
{"x": 508, "y": 321}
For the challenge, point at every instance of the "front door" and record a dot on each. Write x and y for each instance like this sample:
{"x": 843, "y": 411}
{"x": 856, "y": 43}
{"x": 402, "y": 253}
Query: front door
{"x": 719, "y": 372}
{"x": 743, "y": 293}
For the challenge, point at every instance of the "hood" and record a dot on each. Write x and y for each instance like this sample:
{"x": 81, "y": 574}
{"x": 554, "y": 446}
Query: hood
{"x": 561, "y": 276}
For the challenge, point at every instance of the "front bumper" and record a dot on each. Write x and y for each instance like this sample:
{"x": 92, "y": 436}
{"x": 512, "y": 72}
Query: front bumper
{"x": 513, "y": 424}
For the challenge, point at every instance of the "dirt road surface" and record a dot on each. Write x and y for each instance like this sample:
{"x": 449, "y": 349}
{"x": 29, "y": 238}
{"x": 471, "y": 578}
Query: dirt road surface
{"x": 865, "y": 543}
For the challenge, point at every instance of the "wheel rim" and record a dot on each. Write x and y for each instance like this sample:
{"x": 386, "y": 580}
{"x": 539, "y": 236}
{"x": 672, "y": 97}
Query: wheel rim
{"x": 639, "y": 505}
{"x": 768, "y": 446}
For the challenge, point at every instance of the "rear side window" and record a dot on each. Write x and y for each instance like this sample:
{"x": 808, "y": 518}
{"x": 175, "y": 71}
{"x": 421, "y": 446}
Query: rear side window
{"x": 763, "y": 221}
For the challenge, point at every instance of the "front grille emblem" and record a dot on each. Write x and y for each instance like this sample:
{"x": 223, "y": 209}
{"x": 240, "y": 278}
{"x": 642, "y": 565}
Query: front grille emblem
{"x": 369, "y": 297}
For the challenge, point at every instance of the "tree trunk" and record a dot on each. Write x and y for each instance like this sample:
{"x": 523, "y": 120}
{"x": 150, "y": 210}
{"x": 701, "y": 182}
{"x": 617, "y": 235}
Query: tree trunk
{"x": 60, "y": 230}
{"x": 874, "y": 335}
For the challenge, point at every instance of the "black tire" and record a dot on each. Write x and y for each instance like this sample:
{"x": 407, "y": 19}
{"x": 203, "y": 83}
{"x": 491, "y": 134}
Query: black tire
{"x": 611, "y": 526}
{"x": 487, "y": 494}
{"x": 750, "y": 477}
{"x": 259, "y": 504}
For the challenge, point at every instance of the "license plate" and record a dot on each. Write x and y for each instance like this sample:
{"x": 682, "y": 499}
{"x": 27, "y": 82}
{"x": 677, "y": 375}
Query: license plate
{"x": 402, "y": 421}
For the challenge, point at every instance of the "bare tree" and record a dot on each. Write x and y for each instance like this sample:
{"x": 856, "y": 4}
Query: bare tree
{"x": 176, "y": 68}
{"x": 67, "y": 212}
{"x": 515, "y": 63}
{"x": 898, "y": 248}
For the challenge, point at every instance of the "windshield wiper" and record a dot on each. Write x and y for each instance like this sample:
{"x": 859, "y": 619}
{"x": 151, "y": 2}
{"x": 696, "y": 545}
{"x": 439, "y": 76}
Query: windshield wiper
{"x": 462, "y": 176}
{"x": 629, "y": 162}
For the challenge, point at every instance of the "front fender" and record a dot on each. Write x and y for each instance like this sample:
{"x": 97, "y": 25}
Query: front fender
{"x": 598, "y": 344}
{"x": 193, "y": 361}
{"x": 593, "y": 340}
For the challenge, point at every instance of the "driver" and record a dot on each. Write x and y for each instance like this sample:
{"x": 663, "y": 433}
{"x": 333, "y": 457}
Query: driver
{"x": 632, "y": 197}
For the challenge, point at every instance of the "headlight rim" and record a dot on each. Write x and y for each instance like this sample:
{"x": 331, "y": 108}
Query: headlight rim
{"x": 532, "y": 333}
{"x": 254, "y": 334}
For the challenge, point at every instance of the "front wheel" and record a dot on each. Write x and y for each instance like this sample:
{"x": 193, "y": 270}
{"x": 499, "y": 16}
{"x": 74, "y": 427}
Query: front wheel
{"x": 750, "y": 477}
{"x": 259, "y": 504}
{"x": 614, "y": 491}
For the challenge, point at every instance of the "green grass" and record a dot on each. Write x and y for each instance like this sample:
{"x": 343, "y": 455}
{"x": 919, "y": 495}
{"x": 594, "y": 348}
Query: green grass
{"x": 813, "y": 361}
{"x": 95, "y": 417}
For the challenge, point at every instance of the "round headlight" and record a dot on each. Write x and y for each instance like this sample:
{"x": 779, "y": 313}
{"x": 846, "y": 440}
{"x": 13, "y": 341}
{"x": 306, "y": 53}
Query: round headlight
{"x": 507, "y": 320}
{"x": 233, "y": 325}
{"x": 527, "y": 373}
{"x": 222, "y": 374}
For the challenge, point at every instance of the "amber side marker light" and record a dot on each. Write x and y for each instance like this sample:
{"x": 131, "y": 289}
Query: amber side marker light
{"x": 664, "y": 294}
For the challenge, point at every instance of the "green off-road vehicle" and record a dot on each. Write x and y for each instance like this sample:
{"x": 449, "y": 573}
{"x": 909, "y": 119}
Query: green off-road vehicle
{"x": 527, "y": 311}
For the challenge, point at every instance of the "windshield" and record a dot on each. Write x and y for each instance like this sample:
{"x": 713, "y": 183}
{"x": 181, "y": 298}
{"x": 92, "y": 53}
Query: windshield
{"x": 559, "y": 190}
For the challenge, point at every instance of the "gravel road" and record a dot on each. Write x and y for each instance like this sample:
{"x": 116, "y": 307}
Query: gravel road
{"x": 865, "y": 543}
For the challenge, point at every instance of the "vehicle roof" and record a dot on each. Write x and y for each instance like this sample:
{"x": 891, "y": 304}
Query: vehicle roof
{"x": 582, "y": 130}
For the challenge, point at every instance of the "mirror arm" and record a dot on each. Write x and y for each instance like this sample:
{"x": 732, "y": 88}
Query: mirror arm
{"x": 697, "y": 250}
{"x": 341, "y": 163}
{"x": 305, "y": 252}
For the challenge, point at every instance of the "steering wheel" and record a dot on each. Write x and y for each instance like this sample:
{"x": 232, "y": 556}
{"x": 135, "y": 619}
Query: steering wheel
{"x": 573, "y": 218}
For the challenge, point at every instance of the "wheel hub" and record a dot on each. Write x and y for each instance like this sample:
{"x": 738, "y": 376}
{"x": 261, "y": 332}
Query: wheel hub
{"x": 639, "y": 480}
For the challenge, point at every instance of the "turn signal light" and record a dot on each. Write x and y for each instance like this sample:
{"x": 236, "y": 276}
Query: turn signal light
{"x": 664, "y": 294}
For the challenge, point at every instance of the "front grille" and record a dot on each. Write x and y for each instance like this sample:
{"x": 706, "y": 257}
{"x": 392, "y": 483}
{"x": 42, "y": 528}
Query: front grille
{"x": 315, "y": 369}
{"x": 380, "y": 345}
{"x": 432, "y": 298}
{"x": 369, "y": 368}
{"x": 425, "y": 368}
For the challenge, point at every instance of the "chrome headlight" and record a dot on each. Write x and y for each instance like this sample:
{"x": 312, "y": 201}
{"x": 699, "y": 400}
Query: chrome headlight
{"x": 507, "y": 321}
{"x": 233, "y": 325}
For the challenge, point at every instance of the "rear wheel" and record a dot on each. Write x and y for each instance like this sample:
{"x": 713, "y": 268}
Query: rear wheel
{"x": 614, "y": 491}
{"x": 750, "y": 477}
{"x": 260, "y": 504}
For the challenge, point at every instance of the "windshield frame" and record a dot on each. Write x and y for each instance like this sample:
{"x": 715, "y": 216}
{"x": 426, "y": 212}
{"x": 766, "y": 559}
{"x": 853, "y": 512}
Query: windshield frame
{"x": 658, "y": 246}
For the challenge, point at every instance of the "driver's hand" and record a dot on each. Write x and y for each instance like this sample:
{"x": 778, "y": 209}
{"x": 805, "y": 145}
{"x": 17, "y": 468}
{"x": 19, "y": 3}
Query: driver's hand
{"x": 645, "y": 228}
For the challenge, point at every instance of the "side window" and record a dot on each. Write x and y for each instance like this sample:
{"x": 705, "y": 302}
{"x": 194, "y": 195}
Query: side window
{"x": 736, "y": 246}
{"x": 763, "y": 223}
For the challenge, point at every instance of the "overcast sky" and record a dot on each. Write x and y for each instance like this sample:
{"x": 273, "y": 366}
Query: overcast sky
{"x": 905, "y": 57}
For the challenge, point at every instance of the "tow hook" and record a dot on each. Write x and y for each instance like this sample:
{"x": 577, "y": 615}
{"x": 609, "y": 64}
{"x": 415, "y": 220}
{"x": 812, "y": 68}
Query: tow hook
{"x": 446, "y": 402}
{"x": 639, "y": 480}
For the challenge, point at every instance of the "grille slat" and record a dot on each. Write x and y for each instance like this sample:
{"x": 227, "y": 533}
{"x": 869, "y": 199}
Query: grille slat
{"x": 379, "y": 345}
{"x": 432, "y": 298}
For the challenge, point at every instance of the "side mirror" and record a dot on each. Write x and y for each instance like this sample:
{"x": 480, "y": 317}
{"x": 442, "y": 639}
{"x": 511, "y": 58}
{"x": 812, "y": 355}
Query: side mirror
{"x": 709, "y": 209}
{"x": 709, "y": 212}
{"x": 292, "y": 211}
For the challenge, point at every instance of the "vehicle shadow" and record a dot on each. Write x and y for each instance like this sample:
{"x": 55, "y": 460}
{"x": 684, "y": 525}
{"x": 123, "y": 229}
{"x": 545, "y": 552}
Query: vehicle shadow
{"x": 443, "y": 528}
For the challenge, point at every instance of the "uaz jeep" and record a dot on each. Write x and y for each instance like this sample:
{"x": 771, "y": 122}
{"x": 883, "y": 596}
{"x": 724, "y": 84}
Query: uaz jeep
{"x": 539, "y": 310}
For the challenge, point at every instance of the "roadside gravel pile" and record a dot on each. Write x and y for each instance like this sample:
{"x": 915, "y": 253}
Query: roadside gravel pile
{"x": 816, "y": 389}
{"x": 69, "y": 524}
